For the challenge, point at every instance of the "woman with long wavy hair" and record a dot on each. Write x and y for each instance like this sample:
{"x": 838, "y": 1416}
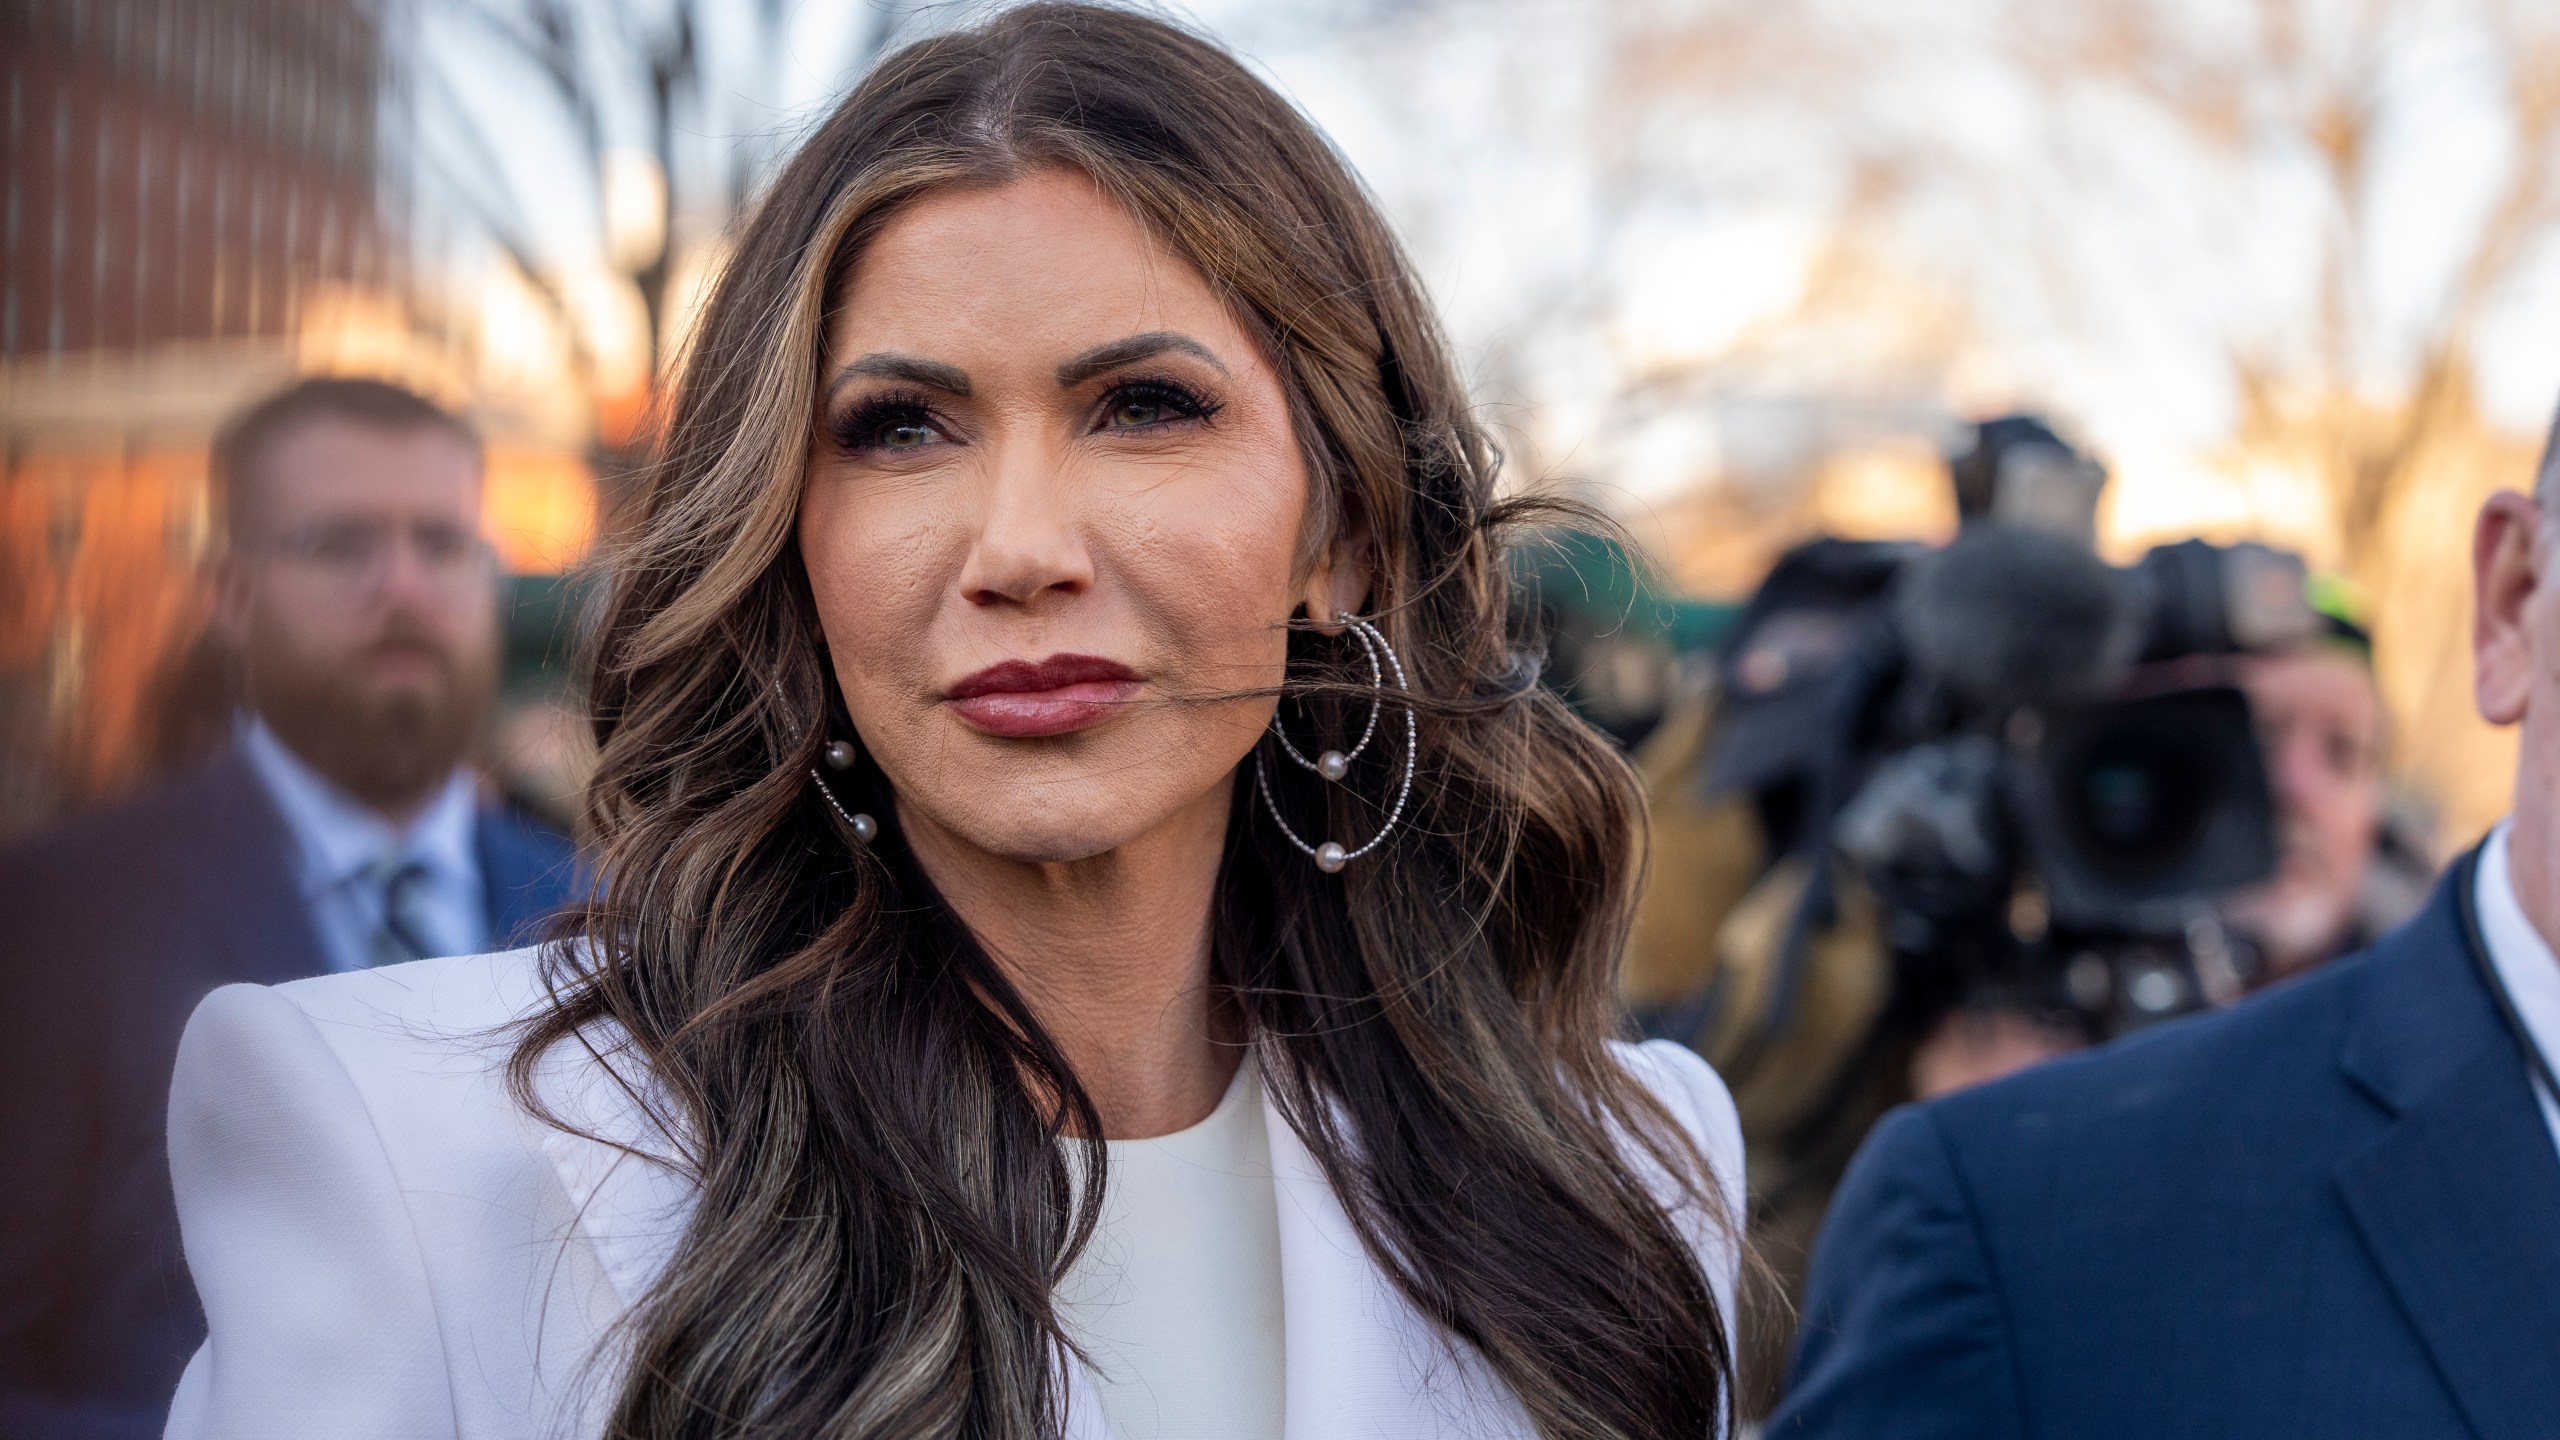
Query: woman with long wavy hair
{"x": 1101, "y": 934}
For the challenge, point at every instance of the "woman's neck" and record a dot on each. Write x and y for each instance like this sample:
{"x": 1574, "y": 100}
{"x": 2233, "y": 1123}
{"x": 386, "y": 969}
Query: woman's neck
{"x": 1112, "y": 955}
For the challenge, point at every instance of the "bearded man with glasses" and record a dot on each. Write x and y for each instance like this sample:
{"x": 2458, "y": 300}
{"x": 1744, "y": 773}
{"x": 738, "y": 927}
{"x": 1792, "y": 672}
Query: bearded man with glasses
{"x": 341, "y": 828}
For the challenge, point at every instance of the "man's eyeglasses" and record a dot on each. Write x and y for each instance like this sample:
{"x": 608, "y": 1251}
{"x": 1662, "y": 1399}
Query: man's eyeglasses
{"x": 353, "y": 557}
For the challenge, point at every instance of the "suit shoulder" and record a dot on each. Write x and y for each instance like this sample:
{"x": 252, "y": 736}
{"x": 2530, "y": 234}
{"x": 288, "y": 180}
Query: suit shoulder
{"x": 426, "y": 1022}
{"x": 2186, "y": 1070}
{"x": 422, "y": 1050}
{"x": 437, "y": 1033}
{"x": 66, "y": 864}
{"x": 427, "y": 999}
{"x": 102, "y": 840}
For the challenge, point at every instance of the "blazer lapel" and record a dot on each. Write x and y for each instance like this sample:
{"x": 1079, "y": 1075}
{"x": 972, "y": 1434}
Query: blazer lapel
{"x": 1361, "y": 1359}
{"x": 2459, "y": 1203}
{"x": 525, "y": 875}
{"x": 626, "y": 1186}
{"x": 234, "y": 862}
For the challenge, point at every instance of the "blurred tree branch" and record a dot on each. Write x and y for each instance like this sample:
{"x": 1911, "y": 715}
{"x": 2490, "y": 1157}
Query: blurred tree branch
{"x": 2324, "y": 84}
{"x": 615, "y": 76}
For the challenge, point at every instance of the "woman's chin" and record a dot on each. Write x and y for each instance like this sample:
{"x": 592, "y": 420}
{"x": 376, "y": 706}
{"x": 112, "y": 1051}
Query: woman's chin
{"x": 1016, "y": 828}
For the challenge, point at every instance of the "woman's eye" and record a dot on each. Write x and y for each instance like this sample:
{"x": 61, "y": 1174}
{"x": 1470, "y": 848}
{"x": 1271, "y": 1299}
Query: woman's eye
{"x": 1143, "y": 407}
{"x": 893, "y": 426}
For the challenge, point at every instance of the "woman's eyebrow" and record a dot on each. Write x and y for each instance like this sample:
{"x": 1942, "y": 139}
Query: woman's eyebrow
{"x": 890, "y": 365}
{"x": 1112, "y": 354}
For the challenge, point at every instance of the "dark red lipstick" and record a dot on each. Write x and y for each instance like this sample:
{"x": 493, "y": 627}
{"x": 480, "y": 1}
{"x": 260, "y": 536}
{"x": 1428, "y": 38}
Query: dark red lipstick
{"x": 1027, "y": 698}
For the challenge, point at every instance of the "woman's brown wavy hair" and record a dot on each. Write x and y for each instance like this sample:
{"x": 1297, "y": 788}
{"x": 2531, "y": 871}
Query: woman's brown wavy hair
{"x": 878, "y": 1122}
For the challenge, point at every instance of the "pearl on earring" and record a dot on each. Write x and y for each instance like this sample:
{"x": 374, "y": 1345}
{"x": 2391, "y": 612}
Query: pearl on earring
{"x": 840, "y": 755}
{"x": 864, "y": 828}
{"x": 1333, "y": 765}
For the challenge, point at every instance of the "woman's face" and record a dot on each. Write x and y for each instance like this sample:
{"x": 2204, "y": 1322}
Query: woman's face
{"x": 1053, "y": 485}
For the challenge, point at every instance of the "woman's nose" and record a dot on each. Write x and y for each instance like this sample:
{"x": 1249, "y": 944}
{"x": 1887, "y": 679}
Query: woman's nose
{"x": 1030, "y": 541}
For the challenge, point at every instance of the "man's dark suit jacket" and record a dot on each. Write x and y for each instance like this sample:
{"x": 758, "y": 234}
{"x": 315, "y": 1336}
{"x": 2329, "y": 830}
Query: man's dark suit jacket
{"x": 2331, "y": 1211}
{"x": 112, "y": 927}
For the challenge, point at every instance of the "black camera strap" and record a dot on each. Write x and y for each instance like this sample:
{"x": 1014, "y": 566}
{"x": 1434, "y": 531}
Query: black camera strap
{"x": 2466, "y": 905}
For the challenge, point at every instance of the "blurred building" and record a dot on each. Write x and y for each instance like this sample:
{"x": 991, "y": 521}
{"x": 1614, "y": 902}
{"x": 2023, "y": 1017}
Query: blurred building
{"x": 183, "y": 171}
{"x": 202, "y": 200}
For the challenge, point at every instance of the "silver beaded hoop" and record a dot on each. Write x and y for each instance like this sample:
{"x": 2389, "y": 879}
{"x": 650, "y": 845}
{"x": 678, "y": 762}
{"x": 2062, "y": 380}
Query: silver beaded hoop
{"x": 1333, "y": 765}
{"x": 840, "y": 755}
{"x": 864, "y": 828}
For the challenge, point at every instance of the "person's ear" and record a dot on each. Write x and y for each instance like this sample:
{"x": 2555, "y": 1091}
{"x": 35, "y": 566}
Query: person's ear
{"x": 227, "y": 598}
{"x": 2506, "y": 575}
{"x": 1339, "y": 580}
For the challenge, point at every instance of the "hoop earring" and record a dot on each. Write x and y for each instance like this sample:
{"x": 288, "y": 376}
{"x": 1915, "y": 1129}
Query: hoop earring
{"x": 840, "y": 756}
{"x": 1333, "y": 765}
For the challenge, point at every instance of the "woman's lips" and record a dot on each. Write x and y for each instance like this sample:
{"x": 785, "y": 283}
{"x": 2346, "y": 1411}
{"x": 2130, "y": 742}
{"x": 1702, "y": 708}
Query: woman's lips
{"x": 1028, "y": 698}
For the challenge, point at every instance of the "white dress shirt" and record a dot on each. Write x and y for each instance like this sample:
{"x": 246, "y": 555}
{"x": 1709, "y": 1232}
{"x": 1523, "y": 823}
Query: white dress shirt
{"x": 346, "y": 850}
{"x": 1177, "y": 1301}
{"x": 2524, "y": 962}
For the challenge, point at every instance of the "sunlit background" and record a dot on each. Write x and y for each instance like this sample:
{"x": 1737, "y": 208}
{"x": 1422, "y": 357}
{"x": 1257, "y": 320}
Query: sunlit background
{"x": 1736, "y": 270}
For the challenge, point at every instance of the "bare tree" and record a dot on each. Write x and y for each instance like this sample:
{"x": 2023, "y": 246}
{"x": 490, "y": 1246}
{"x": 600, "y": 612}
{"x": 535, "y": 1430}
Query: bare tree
{"x": 617, "y": 79}
{"x": 2362, "y": 397}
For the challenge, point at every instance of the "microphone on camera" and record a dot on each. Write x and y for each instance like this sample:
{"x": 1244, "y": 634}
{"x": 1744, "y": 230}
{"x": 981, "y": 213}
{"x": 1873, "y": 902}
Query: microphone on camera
{"x": 2010, "y": 615}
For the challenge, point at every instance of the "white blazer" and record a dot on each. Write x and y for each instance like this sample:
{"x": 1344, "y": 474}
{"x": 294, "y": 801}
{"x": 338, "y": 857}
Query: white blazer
{"x": 388, "y": 1246}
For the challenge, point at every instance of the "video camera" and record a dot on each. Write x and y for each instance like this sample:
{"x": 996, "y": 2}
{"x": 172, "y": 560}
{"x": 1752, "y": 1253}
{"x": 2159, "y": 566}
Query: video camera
{"x": 2016, "y": 747}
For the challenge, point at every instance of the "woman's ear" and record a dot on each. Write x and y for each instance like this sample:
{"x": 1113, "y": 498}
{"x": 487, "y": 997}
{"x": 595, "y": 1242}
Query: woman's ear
{"x": 1338, "y": 583}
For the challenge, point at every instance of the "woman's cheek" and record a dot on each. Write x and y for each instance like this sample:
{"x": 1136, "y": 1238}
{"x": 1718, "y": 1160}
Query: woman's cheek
{"x": 878, "y": 576}
{"x": 1218, "y": 567}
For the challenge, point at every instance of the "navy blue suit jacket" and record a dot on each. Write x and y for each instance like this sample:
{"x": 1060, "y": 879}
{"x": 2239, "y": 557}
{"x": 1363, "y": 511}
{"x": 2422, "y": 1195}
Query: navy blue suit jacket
{"x": 2331, "y": 1211}
{"x": 112, "y": 927}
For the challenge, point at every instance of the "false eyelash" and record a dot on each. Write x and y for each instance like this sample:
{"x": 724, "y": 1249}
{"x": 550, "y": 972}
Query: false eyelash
{"x": 852, "y": 430}
{"x": 1185, "y": 402}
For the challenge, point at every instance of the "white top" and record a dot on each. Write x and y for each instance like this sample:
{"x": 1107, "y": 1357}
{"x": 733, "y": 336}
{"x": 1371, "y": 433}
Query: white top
{"x": 2523, "y": 960}
{"x": 387, "y": 1246}
{"x": 1176, "y": 1302}
{"x": 347, "y": 853}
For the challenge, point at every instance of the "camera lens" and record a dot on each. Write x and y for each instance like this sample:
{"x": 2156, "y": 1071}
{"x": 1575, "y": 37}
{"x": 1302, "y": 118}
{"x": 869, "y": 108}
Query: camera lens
{"x": 2139, "y": 809}
{"x": 2138, "y": 797}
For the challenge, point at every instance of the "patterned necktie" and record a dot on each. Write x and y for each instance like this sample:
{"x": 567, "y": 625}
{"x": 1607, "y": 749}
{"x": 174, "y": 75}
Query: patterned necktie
{"x": 396, "y": 940}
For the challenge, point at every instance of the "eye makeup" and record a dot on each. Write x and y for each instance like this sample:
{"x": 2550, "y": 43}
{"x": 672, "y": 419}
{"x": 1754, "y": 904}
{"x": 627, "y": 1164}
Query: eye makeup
{"x": 875, "y": 423}
{"x": 1149, "y": 402}
{"x": 906, "y": 420}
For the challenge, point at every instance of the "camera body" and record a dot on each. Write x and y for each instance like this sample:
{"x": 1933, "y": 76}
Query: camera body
{"x": 2018, "y": 750}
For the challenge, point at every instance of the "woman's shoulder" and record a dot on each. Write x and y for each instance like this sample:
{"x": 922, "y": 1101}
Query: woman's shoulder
{"x": 425, "y": 1042}
{"x": 1695, "y": 1095}
{"x": 1691, "y": 1090}
{"x": 444, "y": 1020}
{"x": 425, "y": 1001}
{"x": 427, "y": 1048}
{"x": 356, "y": 1180}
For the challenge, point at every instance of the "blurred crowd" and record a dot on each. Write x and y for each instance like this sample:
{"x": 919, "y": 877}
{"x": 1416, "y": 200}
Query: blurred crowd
{"x": 342, "y": 821}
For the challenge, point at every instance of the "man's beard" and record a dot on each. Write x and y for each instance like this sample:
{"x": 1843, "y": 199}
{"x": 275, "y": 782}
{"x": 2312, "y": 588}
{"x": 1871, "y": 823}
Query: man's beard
{"x": 390, "y": 746}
